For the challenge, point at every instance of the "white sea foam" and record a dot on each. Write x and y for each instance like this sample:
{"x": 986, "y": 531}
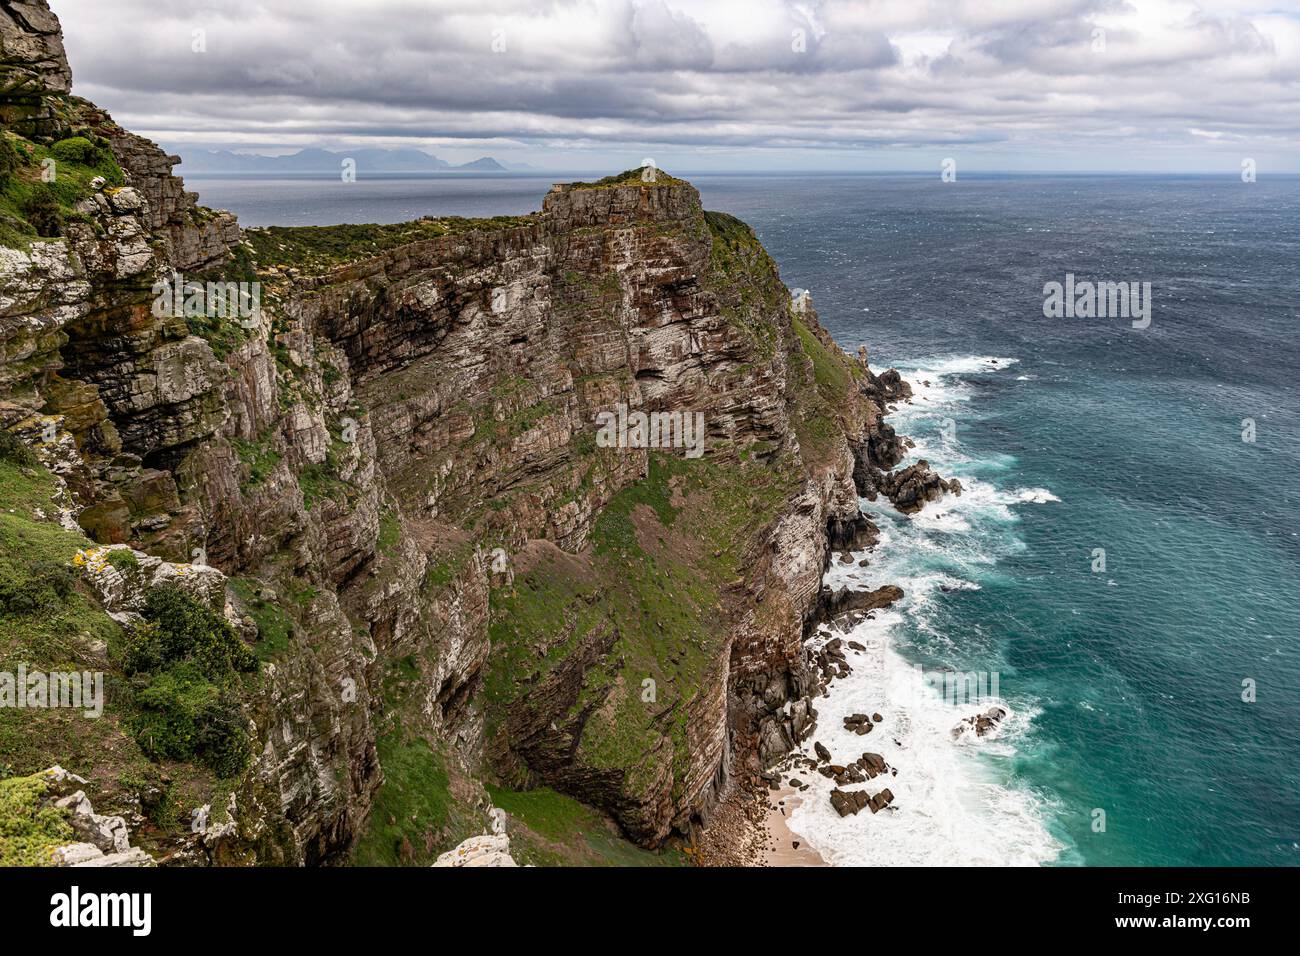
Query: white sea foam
{"x": 953, "y": 803}
{"x": 1038, "y": 496}
{"x": 950, "y": 805}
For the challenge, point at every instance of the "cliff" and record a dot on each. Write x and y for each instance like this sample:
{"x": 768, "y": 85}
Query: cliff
{"x": 382, "y": 503}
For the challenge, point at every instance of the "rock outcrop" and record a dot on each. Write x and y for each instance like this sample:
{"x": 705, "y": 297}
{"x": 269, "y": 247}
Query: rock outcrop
{"x": 491, "y": 850}
{"x": 47, "y": 812}
{"x": 32, "y": 63}
{"x": 911, "y": 488}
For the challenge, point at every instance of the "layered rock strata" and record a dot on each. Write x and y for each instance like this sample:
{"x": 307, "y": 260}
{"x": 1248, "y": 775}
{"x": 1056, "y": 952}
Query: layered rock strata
{"x": 395, "y": 472}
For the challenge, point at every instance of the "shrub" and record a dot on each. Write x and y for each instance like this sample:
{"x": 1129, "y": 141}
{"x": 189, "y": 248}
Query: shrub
{"x": 122, "y": 560}
{"x": 144, "y": 650}
{"x": 78, "y": 150}
{"x": 13, "y": 450}
{"x": 223, "y": 743}
{"x": 41, "y": 208}
{"x": 172, "y": 703}
{"x": 183, "y": 661}
{"x": 183, "y": 716}
{"x": 30, "y": 829}
{"x": 185, "y": 630}
{"x": 40, "y": 586}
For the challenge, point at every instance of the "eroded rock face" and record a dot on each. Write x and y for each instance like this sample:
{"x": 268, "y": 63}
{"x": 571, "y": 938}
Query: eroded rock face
{"x": 197, "y": 238}
{"x": 482, "y": 359}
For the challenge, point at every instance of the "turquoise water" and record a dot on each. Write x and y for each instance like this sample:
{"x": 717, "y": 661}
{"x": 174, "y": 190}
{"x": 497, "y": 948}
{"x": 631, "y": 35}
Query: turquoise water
{"x": 1125, "y": 686}
{"x": 1133, "y": 676}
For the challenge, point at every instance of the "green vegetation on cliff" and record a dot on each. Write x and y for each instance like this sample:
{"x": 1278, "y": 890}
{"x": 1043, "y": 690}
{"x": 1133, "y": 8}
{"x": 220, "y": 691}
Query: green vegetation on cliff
{"x": 640, "y": 176}
{"x": 421, "y": 810}
{"x": 41, "y": 185}
{"x": 427, "y": 803}
{"x": 750, "y": 293}
{"x": 645, "y": 608}
{"x": 183, "y": 663}
{"x": 50, "y": 621}
{"x": 172, "y": 687}
{"x": 321, "y": 248}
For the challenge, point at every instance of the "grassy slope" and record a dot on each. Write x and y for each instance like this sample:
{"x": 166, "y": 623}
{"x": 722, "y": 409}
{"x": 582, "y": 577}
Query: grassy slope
{"x": 550, "y": 829}
{"x": 427, "y": 803}
{"x": 653, "y": 577}
{"x": 319, "y": 248}
{"x": 60, "y": 632}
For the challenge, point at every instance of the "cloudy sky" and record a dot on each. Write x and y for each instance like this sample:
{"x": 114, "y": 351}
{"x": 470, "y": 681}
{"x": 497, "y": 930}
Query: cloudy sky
{"x": 710, "y": 84}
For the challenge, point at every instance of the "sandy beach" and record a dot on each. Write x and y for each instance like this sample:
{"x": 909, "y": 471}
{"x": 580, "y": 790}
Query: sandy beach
{"x": 784, "y": 847}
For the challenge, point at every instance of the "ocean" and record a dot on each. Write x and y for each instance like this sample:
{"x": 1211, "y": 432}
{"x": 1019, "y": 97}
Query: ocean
{"x": 1123, "y": 560}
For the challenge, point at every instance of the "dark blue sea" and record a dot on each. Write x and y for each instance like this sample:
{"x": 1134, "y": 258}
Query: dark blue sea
{"x": 1123, "y": 561}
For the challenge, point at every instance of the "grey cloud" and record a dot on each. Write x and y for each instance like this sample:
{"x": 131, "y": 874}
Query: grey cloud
{"x": 682, "y": 72}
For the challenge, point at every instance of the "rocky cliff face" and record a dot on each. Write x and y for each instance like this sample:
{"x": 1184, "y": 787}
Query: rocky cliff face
{"x": 395, "y": 470}
{"x": 32, "y": 63}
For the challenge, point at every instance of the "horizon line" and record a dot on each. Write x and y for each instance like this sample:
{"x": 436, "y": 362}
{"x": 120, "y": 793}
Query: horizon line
{"x": 605, "y": 171}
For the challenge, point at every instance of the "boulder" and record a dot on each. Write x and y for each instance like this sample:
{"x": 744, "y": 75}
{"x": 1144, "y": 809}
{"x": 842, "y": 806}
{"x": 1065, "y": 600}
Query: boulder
{"x": 881, "y": 800}
{"x": 849, "y": 802}
{"x": 860, "y": 724}
{"x": 982, "y": 724}
{"x": 835, "y": 605}
{"x": 110, "y": 834}
{"x": 873, "y": 765}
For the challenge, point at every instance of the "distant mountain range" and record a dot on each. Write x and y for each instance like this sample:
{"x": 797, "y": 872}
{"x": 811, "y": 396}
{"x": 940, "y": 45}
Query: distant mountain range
{"x": 324, "y": 161}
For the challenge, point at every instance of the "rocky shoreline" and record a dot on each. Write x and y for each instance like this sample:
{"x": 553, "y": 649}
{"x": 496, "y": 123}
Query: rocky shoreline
{"x": 752, "y": 828}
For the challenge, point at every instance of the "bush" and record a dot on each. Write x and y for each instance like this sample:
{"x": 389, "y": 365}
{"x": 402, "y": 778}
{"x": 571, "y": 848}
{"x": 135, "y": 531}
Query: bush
{"x": 224, "y": 744}
{"x": 172, "y": 705}
{"x": 30, "y": 829}
{"x": 183, "y": 716}
{"x": 41, "y": 208}
{"x": 122, "y": 560}
{"x": 80, "y": 151}
{"x": 13, "y": 450}
{"x": 40, "y": 586}
{"x": 184, "y": 630}
{"x": 183, "y": 661}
